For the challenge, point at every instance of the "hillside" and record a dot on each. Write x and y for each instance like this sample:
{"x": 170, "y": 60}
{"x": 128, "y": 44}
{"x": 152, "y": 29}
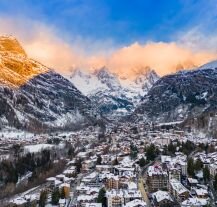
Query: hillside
{"x": 35, "y": 97}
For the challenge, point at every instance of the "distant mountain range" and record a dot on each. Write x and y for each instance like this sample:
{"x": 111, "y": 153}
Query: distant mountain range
{"x": 114, "y": 96}
{"x": 36, "y": 98}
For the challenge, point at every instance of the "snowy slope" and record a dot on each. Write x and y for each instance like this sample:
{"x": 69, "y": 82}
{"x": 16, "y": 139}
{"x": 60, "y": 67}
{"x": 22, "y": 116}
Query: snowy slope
{"x": 111, "y": 94}
{"x": 188, "y": 97}
{"x": 35, "y": 97}
{"x": 86, "y": 82}
{"x": 210, "y": 65}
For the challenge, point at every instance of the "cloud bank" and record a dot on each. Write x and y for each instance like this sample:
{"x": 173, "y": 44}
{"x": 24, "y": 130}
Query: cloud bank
{"x": 43, "y": 44}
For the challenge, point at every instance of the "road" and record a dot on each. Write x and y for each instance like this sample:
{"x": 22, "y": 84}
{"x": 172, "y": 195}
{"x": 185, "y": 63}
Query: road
{"x": 141, "y": 182}
{"x": 73, "y": 199}
{"x": 143, "y": 192}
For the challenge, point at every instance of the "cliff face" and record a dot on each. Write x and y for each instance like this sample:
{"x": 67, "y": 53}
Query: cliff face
{"x": 15, "y": 67}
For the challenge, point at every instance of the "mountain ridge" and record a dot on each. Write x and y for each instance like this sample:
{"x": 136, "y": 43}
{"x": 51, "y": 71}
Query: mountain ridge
{"x": 112, "y": 94}
{"x": 188, "y": 97}
{"x": 36, "y": 98}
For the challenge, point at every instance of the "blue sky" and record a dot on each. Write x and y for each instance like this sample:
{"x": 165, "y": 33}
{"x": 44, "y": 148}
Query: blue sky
{"x": 119, "y": 34}
{"x": 122, "y": 21}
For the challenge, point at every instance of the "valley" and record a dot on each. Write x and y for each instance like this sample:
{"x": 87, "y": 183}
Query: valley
{"x": 95, "y": 138}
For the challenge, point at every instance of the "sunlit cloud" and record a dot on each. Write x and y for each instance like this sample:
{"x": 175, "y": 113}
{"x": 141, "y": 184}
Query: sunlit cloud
{"x": 43, "y": 44}
{"x": 163, "y": 57}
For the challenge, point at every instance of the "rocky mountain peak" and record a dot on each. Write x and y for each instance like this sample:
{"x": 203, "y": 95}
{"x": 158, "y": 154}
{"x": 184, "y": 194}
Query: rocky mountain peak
{"x": 35, "y": 98}
{"x": 107, "y": 78}
{"x": 146, "y": 75}
{"x": 15, "y": 67}
{"x": 9, "y": 44}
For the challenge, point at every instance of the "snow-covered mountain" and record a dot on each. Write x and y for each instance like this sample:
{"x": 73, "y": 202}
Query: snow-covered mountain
{"x": 111, "y": 94}
{"x": 35, "y": 97}
{"x": 188, "y": 97}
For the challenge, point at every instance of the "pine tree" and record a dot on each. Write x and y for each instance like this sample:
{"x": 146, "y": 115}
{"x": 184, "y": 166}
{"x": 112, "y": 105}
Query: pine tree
{"x": 198, "y": 165}
{"x": 151, "y": 152}
{"x": 101, "y": 197}
{"x": 71, "y": 151}
{"x": 206, "y": 174}
{"x": 63, "y": 193}
{"x": 43, "y": 198}
{"x": 55, "y": 196}
{"x": 190, "y": 167}
{"x": 99, "y": 160}
{"x": 215, "y": 183}
{"x": 116, "y": 161}
{"x": 133, "y": 151}
{"x": 78, "y": 165}
{"x": 142, "y": 162}
{"x": 171, "y": 148}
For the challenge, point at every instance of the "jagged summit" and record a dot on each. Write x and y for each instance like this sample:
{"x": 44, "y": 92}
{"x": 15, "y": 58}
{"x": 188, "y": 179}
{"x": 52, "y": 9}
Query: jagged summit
{"x": 9, "y": 44}
{"x": 15, "y": 67}
{"x": 111, "y": 93}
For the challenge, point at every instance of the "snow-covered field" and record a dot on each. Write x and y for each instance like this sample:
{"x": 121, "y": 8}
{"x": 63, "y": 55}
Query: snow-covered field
{"x": 14, "y": 133}
{"x": 37, "y": 147}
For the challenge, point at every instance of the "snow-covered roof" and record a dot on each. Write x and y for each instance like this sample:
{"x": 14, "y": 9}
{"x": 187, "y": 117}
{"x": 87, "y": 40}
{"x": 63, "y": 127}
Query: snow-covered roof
{"x": 124, "y": 193}
{"x": 162, "y": 195}
{"x": 19, "y": 201}
{"x": 135, "y": 203}
{"x": 201, "y": 192}
{"x": 93, "y": 205}
{"x": 86, "y": 197}
{"x": 132, "y": 185}
{"x": 196, "y": 202}
{"x": 177, "y": 186}
{"x": 192, "y": 181}
{"x": 62, "y": 201}
{"x": 156, "y": 170}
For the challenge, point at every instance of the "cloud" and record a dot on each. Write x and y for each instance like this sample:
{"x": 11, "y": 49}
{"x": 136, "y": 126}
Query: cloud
{"x": 198, "y": 41}
{"x": 43, "y": 44}
{"x": 163, "y": 57}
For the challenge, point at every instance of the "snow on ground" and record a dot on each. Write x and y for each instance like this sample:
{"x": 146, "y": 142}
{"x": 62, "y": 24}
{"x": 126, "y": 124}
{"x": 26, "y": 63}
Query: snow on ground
{"x": 86, "y": 82}
{"x": 209, "y": 65}
{"x": 67, "y": 119}
{"x": 14, "y": 133}
{"x": 169, "y": 123}
{"x": 37, "y": 147}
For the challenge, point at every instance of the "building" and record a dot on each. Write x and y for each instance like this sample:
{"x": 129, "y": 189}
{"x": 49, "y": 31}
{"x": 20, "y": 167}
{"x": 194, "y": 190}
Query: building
{"x": 93, "y": 205}
{"x": 201, "y": 193}
{"x": 115, "y": 198}
{"x": 174, "y": 173}
{"x": 157, "y": 178}
{"x": 112, "y": 182}
{"x": 178, "y": 190}
{"x": 162, "y": 198}
{"x": 120, "y": 198}
{"x": 195, "y": 202}
{"x": 136, "y": 203}
{"x": 192, "y": 182}
{"x": 213, "y": 170}
{"x": 183, "y": 166}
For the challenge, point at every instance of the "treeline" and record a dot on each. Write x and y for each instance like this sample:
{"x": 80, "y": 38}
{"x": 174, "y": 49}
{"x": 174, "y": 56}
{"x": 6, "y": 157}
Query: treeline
{"x": 186, "y": 147}
{"x": 41, "y": 165}
{"x": 12, "y": 170}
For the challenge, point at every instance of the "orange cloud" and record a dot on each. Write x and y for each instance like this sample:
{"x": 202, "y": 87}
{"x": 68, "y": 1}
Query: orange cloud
{"x": 42, "y": 44}
{"x": 163, "y": 57}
